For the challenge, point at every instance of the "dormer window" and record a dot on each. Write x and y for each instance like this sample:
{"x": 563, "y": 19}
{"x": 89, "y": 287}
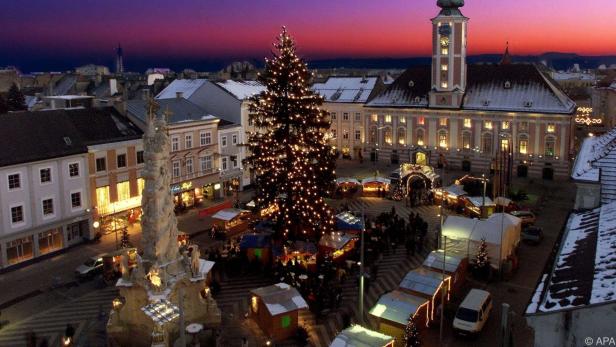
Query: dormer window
{"x": 411, "y": 83}
{"x": 507, "y": 85}
{"x": 417, "y": 100}
{"x": 528, "y": 104}
{"x": 486, "y": 102}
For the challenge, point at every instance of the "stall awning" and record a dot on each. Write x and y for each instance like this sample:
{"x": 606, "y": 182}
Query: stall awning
{"x": 348, "y": 221}
{"x": 398, "y": 306}
{"x": 358, "y": 336}
{"x": 335, "y": 240}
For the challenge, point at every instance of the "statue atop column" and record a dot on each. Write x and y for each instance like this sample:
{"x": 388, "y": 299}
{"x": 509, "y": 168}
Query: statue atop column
{"x": 450, "y": 3}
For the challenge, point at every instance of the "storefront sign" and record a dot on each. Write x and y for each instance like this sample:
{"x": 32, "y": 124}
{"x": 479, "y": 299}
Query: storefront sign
{"x": 583, "y": 117}
{"x": 176, "y": 188}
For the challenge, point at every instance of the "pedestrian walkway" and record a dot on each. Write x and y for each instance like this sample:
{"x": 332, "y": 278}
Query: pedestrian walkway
{"x": 82, "y": 313}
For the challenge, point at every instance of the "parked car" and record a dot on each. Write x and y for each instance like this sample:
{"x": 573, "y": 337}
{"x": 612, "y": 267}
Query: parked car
{"x": 527, "y": 217}
{"x": 473, "y": 312}
{"x": 532, "y": 234}
{"x": 90, "y": 267}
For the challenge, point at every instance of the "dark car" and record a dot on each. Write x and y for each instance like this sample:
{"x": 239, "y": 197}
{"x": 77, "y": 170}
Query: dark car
{"x": 527, "y": 217}
{"x": 532, "y": 234}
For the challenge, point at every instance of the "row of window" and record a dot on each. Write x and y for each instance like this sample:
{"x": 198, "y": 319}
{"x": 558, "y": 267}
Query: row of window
{"x": 103, "y": 194}
{"x": 345, "y": 116}
{"x": 101, "y": 163}
{"x": 205, "y": 139}
{"x": 47, "y": 208}
{"x": 468, "y": 123}
{"x": 14, "y": 180}
{"x": 345, "y": 134}
{"x": 205, "y": 165}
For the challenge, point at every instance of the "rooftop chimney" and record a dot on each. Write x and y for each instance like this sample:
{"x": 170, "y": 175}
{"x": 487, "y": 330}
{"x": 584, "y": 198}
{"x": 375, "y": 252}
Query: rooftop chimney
{"x": 179, "y": 95}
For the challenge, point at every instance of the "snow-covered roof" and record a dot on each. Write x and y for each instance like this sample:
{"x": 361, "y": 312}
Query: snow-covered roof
{"x": 358, "y": 336}
{"x": 510, "y": 88}
{"x": 455, "y": 190}
{"x": 280, "y": 298}
{"x": 341, "y": 180}
{"x": 242, "y": 89}
{"x": 375, "y": 180}
{"x": 570, "y": 75}
{"x": 346, "y": 89}
{"x": 434, "y": 260}
{"x": 423, "y": 280}
{"x": 596, "y": 162}
{"x": 228, "y": 214}
{"x": 335, "y": 240}
{"x": 583, "y": 271}
{"x": 479, "y": 200}
{"x": 398, "y": 307}
{"x": 182, "y": 110}
{"x": 184, "y": 86}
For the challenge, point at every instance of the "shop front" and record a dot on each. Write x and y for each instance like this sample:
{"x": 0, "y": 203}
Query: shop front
{"x": 112, "y": 216}
{"x": 50, "y": 240}
{"x": 19, "y": 250}
{"x": 189, "y": 194}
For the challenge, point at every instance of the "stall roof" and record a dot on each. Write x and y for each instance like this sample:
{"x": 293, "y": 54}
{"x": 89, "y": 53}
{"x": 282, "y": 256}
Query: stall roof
{"x": 261, "y": 240}
{"x": 347, "y": 220}
{"x": 376, "y": 180}
{"x": 341, "y": 180}
{"x": 434, "y": 260}
{"x": 422, "y": 280}
{"x": 478, "y": 200}
{"x": 358, "y": 336}
{"x": 335, "y": 240}
{"x": 397, "y": 306}
{"x": 455, "y": 190}
{"x": 228, "y": 214}
{"x": 280, "y": 298}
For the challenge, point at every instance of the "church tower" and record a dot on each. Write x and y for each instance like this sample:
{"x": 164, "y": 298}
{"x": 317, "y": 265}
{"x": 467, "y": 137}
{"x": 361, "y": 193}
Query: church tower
{"x": 449, "y": 30}
{"x": 119, "y": 60}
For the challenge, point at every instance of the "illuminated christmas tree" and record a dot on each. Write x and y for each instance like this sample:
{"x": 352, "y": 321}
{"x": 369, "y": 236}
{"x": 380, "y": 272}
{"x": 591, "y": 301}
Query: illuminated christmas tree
{"x": 411, "y": 335}
{"x": 481, "y": 258}
{"x": 290, "y": 156}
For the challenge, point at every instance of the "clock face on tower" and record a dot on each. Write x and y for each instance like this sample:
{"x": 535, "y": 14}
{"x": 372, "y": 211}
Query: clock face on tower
{"x": 444, "y": 41}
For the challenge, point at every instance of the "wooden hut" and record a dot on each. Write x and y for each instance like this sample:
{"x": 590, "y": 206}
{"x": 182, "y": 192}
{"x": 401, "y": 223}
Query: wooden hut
{"x": 276, "y": 310}
{"x": 373, "y": 185}
{"x": 358, "y": 336}
{"x": 393, "y": 311}
{"x": 337, "y": 245}
{"x": 454, "y": 266}
{"x": 428, "y": 284}
{"x": 257, "y": 246}
{"x": 231, "y": 220}
{"x": 348, "y": 222}
{"x": 347, "y": 186}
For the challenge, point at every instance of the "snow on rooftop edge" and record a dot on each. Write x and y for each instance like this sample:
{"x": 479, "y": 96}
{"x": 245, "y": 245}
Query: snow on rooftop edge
{"x": 604, "y": 283}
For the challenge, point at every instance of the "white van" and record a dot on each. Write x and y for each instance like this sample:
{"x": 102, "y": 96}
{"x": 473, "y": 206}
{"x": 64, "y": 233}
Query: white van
{"x": 473, "y": 312}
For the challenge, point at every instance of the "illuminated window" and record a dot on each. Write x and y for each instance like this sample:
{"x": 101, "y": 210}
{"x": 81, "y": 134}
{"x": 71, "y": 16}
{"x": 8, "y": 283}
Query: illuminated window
{"x": 375, "y": 117}
{"x": 372, "y": 135}
{"x": 505, "y": 125}
{"x": 444, "y": 67}
{"x": 421, "y": 120}
{"x": 401, "y": 136}
{"x": 442, "y": 122}
{"x": 444, "y": 84}
{"x": 442, "y": 139}
{"x": 387, "y": 119}
{"x": 102, "y": 198}
{"x": 444, "y": 50}
{"x": 523, "y": 144}
{"x": 420, "y": 137}
{"x": 140, "y": 185}
{"x": 466, "y": 140}
{"x": 486, "y": 143}
{"x": 504, "y": 145}
{"x": 487, "y": 124}
{"x": 551, "y": 127}
{"x": 123, "y": 190}
{"x": 550, "y": 144}
{"x": 402, "y": 120}
{"x": 467, "y": 123}
{"x": 387, "y": 136}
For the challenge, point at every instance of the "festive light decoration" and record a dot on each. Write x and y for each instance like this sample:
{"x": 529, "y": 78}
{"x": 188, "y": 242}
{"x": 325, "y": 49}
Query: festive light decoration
{"x": 293, "y": 163}
{"x": 481, "y": 259}
{"x": 411, "y": 335}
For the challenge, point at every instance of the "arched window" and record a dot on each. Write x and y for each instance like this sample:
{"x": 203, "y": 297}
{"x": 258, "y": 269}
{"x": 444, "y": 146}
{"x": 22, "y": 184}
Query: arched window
{"x": 420, "y": 137}
{"x": 523, "y": 144}
{"x": 372, "y": 135}
{"x": 505, "y": 143}
{"x": 466, "y": 140}
{"x": 442, "y": 139}
{"x": 401, "y": 136}
{"x": 387, "y": 135}
{"x": 550, "y": 146}
{"x": 486, "y": 143}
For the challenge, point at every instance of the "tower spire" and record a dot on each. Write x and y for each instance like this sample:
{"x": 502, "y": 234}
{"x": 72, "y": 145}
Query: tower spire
{"x": 119, "y": 60}
{"x": 506, "y": 59}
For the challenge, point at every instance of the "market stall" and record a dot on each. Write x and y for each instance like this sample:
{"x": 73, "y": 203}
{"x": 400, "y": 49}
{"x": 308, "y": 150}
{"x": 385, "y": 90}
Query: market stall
{"x": 348, "y": 222}
{"x": 501, "y": 232}
{"x": 473, "y": 205}
{"x": 454, "y": 266}
{"x": 299, "y": 254}
{"x": 231, "y": 220}
{"x": 375, "y": 186}
{"x": 337, "y": 245}
{"x": 358, "y": 336}
{"x": 452, "y": 195}
{"x": 257, "y": 246}
{"x": 394, "y": 309}
{"x": 264, "y": 212}
{"x": 347, "y": 185}
{"x": 276, "y": 310}
{"x": 426, "y": 283}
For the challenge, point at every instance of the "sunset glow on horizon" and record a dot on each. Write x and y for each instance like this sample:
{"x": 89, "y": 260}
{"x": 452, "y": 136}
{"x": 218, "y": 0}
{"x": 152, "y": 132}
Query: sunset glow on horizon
{"x": 323, "y": 29}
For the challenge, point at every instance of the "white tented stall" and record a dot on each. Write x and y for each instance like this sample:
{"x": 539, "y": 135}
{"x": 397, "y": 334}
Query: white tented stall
{"x": 501, "y": 232}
